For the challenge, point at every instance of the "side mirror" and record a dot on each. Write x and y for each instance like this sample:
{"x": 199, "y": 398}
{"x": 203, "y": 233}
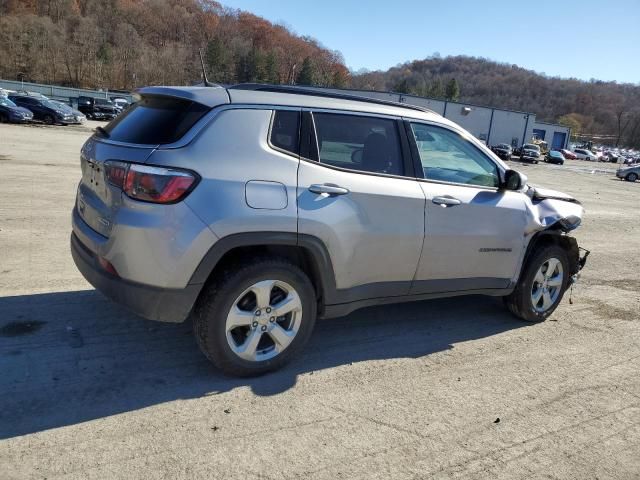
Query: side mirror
{"x": 514, "y": 180}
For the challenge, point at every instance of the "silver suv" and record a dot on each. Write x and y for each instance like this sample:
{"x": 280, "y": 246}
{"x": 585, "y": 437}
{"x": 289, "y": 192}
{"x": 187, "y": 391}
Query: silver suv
{"x": 254, "y": 209}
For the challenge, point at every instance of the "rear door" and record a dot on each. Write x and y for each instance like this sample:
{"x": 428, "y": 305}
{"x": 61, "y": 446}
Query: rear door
{"x": 474, "y": 231}
{"x": 357, "y": 194}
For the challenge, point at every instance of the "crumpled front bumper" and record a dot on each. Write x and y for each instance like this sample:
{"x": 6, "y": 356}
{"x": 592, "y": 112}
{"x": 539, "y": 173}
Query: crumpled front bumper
{"x": 583, "y": 254}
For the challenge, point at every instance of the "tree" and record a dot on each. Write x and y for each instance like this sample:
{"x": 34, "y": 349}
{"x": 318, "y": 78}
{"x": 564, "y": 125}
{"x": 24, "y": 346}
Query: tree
{"x": 452, "y": 91}
{"x": 340, "y": 78}
{"x": 435, "y": 90}
{"x": 307, "y": 73}
{"x": 271, "y": 68}
{"x": 402, "y": 86}
{"x": 571, "y": 120}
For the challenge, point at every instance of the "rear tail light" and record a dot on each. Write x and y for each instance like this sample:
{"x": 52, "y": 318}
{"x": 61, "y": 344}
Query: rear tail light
{"x": 106, "y": 264}
{"x": 150, "y": 184}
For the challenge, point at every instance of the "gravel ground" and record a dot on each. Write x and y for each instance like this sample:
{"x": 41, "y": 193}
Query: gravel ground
{"x": 440, "y": 389}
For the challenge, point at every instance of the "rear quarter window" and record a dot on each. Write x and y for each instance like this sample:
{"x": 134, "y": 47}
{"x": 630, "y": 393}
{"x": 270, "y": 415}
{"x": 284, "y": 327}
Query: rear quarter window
{"x": 285, "y": 131}
{"x": 155, "y": 120}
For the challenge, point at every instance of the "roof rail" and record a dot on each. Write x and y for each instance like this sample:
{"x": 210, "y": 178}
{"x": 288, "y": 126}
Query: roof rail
{"x": 295, "y": 90}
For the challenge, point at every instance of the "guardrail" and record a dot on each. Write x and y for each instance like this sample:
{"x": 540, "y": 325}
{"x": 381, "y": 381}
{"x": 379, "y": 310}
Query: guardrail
{"x": 65, "y": 94}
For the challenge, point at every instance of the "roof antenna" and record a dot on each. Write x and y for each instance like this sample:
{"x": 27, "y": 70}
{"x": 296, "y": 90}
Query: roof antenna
{"x": 204, "y": 72}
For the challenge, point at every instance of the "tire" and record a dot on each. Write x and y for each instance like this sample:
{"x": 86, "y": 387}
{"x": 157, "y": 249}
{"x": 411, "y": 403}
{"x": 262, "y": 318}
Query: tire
{"x": 632, "y": 177}
{"x": 232, "y": 290}
{"x": 49, "y": 120}
{"x": 520, "y": 302}
{"x": 3, "y": 118}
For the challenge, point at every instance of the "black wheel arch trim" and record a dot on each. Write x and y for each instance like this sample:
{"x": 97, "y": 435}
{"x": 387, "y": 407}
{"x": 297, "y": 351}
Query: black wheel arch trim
{"x": 557, "y": 237}
{"x": 313, "y": 245}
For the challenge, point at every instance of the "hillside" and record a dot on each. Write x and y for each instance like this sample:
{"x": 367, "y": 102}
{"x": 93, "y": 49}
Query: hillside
{"x": 121, "y": 44}
{"x": 589, "y": 107}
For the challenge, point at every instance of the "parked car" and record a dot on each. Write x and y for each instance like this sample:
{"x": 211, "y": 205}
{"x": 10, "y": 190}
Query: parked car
{"x": 43, "y": 109}
{"x": 97, "y": 108}
{"x": 530, "y": 153}
{"x": 503, "y": 150}
{"x": 10, "y": 112}
{"x": 120, "y": 103}
{"x": 567, "y": 154}
{"x": 611, "y": 157}
{"x": 78, "y": 117}
{"x": 584, "y": 154}
{"x": 554, "y": 157}
{"x": 254, "y": 218}
{"x": 630, "y": 174}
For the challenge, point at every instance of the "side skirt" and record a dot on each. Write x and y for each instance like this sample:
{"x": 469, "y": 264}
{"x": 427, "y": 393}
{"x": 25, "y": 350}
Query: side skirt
{"x": 342, "y": 309}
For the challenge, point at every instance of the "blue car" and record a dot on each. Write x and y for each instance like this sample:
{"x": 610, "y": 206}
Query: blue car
{"x": 10, "y": 112}
{"x": 45, "y": 110}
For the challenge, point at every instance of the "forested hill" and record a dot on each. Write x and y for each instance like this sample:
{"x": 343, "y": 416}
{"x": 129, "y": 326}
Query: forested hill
{"x": 128, "y": 43}
{"x": 590, "y": 107}
{"x": 123, "y": 44}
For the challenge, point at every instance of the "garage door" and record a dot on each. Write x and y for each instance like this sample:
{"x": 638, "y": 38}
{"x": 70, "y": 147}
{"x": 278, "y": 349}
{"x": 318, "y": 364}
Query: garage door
{"x": 558, "y": 140}
{"x": 539, "y": 134}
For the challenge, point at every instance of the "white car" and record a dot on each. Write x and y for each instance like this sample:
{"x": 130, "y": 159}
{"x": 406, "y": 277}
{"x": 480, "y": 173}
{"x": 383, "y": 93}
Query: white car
{"x": 584, "y": 154}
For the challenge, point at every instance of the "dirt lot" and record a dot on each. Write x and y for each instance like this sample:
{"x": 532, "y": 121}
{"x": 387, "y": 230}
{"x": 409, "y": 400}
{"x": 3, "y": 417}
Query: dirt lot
{"x": 415, "y": 391}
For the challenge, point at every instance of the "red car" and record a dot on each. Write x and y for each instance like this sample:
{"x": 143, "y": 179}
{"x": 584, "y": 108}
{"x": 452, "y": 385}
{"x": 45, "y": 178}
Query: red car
{"x": 568, "y": 155}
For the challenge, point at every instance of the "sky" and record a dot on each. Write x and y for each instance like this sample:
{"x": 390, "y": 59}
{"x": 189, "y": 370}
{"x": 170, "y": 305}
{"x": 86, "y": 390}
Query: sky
{"x": 566, "y": 38}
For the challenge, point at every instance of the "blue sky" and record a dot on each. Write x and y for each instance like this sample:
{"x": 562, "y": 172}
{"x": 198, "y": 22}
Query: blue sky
{"x": 567, "y": 38}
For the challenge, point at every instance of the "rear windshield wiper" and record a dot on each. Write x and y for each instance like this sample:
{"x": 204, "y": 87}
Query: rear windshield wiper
{"x": 102, "y": 132}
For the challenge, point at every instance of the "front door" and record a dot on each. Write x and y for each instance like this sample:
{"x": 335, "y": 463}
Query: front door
{"x": 356, "y": 199}
{"x": 474, "y": 231}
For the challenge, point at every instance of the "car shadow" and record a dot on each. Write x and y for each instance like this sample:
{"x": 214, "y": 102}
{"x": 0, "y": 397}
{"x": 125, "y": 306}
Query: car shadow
{"x": 71, "y": 357}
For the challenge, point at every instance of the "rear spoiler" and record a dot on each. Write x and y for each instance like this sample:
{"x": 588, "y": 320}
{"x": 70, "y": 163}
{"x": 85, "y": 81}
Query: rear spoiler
{"x": 208, "y": 96}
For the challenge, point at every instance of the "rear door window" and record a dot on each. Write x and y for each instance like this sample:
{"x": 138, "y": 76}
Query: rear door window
{"x": 368, "y": 144}
{"x": 155, "y": 120}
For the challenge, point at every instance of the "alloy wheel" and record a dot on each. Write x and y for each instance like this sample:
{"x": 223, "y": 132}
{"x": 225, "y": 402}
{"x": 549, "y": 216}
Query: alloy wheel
{"x": 547, "y": 285}
{"x": 263, "y": 320}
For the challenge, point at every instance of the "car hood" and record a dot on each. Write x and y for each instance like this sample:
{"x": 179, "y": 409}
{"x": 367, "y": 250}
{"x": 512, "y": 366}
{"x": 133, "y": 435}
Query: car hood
{"x": 20, "y": 110}
{"x": 550, "y": 209}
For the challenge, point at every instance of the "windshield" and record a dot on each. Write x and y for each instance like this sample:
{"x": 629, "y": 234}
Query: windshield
{"x": 52, "y": 104}
{"x": 102, "y": 101}
{"x": 503, "y": 145}
{"x": 5, "y": 102}
{"x": 531, "y": 146}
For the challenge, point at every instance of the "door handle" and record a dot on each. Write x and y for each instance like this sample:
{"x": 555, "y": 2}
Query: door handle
{"x": 328, "y": 188}
{"x": 446, "y": 201}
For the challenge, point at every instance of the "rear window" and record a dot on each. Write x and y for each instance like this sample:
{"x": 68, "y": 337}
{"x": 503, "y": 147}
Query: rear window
{"x": 155, "y": 120}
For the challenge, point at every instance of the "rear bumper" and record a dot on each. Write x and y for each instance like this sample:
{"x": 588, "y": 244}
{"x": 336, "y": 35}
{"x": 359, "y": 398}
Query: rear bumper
{"x": 152, "y": 303}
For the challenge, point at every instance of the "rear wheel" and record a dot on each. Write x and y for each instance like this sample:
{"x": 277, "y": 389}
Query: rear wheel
{"x": 256, "y": 318}
{"x": 632, "y": 177}
{"x": 541, "y": 286}
{"x": 3, "y": 118}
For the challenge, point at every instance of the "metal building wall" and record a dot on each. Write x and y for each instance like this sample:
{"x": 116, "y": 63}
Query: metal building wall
{"x": 437, "y": 106}
{"x": 550, "y": 129}
{"x": 509, "y": 127}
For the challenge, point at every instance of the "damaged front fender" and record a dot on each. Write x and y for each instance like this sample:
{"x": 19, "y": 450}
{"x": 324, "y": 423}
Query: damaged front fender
{"x": 550, "y": 216}
{"x": 551, "y": 210}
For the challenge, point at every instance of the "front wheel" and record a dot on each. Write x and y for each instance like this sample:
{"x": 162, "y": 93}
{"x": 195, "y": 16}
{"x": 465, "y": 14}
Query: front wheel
{"x": 255, "y": 318}
{"x": 541, "y": 286}
{"x": 49, "y": 120}
{"x": 632, "y": 177}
